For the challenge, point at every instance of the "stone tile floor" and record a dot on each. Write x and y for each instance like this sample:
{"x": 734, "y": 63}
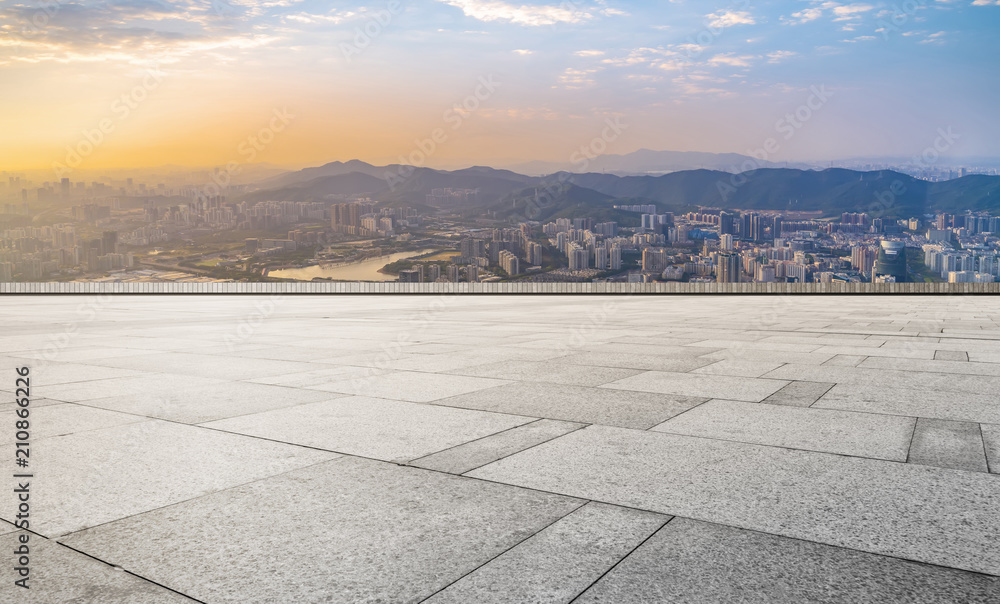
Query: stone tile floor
{"x": 505, "y": 449}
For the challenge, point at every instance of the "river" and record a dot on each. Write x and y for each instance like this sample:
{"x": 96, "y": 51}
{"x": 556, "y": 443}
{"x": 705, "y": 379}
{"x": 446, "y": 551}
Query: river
{"x": 366, "y": 270}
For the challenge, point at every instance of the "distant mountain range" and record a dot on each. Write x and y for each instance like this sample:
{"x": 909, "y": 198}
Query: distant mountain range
{"x": 656, "y": 163}
{"x": 831, "y": 191}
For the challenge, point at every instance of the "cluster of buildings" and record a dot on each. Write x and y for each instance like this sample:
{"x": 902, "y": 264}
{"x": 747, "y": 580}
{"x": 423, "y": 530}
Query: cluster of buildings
{"x": 364, "y": 219}
{"x": 32, "y": 253}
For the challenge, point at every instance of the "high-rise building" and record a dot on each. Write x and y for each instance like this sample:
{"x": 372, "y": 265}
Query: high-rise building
{"x": 862, "y": 259}
{"x": 509, "y": 263}
{"x": 891, "y": 261}
{"x": 726, "y": 242}
{"x": 727, "y": 223}
{"x": 654, "y": 260}
{"x": 729, "y": 267}
{"x": 579, "y": 257}
{"x": 616, "y": 257}
{"x": 601, "y": 258}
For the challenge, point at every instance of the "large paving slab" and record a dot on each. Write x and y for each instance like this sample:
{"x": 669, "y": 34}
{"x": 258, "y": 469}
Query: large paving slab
{"x": 409, "y": 386}
{"x": 916, "y": 512}
{"x": 624, "y": 408}
{"x": 892, "y": 378}
{"x": 558, "y": 373}
{"x": 799, "y": 394}
{"x": 370, "y": 427}
{"x": 636, "y": 361}
{"x": 558, "y": 563}
{"x": 61, "y": 419}
{"x": 690, "y": 562}
{"x": 350, "y": 530}
{"x": 878, "y": 398}
{"x": 197, "y": 405}
{"x": 89, "y": 478}
{"x": 123, "y": 386}
{"x": 204, "y": 365}
{"x": 709, "y": 386}
{"x": 934, "y": 366}
{"x": 945, "y": 444}
{"x": 841, "y": 432}
{"x": 59, "y": 574}
{"x": 476, "y": 453}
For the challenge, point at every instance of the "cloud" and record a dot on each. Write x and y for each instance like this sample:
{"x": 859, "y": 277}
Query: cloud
{"x": 523, "y": 52}
{"x": 850, "y": 11}
{"x": 729, "y": 18}
{"x": 804, "y": 16}
{"x": 732, "y": 60}
{"x": 135, "y": 31}
{"x": 986, "y": 3}
{"x": 577, "y": 78}
{"x": 780, "y": 55}
{"x": 589, "y": 53}
{"x": 524, "y": 14}
{"x": 935, "y": 38}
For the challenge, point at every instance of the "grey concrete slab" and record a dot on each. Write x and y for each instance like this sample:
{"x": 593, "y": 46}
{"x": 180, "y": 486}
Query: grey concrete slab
{"x": 77, "y": 354}
{"x": 280, "y": 352}
{"x": 35, "y": 403}
{"x": 951, "y": 355}
{"x": 59, "y": 574}
{"x": 622, "y": 408}
{"x": 370, "y": 427}
{"x": 988, "y": 356}
{"x": 845, "y": 360}
{"x": 691, "y": 562}
{"x": 748, "y": 345}
{"x": 163, "y": 382}
{"x": 738, "y": 367}
{"x": 552, "y": 372}
{"x": 93, "y": 477}
{"x": 317, "y": 377}
{"x": 193, "y": 406}
{"x": 558, "y": 563}
{"x": 66, "y": 418}
{"x": 351, "y": 530}
{"x": 991, "y": 440}
{"x": 948, "y": 444}
{"x": 799, "y": 394}
{"x": 878, "y": 398}
{"x": 471, "y": 455}
{"x": 410, "y": 386}
{"x": 909, "y": 511}
{"x": 664, "y": 350}
{"x": 962, "y": 367}
{"x": 892, "y": 378}
{"x": 841, "y": 432}
{"x": 769, "y": 356}
{"x": 45, "y": 374}
{"x": 452, "y": 362}
{"x": 644, "y": 362}
{"x": 708, "y": 386}
{"x": 902, "y": 351}
{"x": 858, "y": 340}
{"x": 205, "y": 365}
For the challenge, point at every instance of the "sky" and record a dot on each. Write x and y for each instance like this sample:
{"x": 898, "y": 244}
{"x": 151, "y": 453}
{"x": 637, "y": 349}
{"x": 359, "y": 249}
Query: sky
{"x": 142, "y": 83}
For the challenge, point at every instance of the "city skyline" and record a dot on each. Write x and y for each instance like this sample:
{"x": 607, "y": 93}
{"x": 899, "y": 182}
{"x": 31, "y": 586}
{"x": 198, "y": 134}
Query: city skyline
{"x": 137, "y": 84}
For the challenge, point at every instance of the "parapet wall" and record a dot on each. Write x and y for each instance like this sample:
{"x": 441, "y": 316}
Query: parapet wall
{"x": 506, "y": 288}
